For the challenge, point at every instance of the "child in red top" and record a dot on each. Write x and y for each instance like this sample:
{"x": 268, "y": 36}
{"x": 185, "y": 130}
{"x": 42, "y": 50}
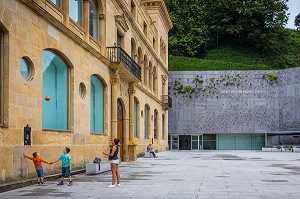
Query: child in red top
{"x": 37, "y": 160}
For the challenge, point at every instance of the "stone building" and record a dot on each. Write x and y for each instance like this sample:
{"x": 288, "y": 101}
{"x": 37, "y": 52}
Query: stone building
{"x": 234, "y": 110}
{"x": 80, "y": 73}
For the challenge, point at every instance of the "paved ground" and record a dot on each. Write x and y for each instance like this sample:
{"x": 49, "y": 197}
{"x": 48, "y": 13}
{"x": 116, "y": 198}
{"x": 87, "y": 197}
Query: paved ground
{"x": 203, "y": 175}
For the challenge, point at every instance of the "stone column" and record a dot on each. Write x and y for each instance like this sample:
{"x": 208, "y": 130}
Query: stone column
{"x": 132, "y": 145}
{"x": 131, "y": 92}
{"x": 86, "y": 18}
{"x": 101, "y": 33}
{"x": 66, "y": 9}
{"x": 126, "y": 155}
{"x": 114, "y": 120}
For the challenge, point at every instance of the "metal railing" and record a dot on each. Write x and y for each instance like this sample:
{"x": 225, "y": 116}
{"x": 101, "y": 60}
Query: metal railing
{"x": 167, "y": 100}
{"x": 118, "y": 55}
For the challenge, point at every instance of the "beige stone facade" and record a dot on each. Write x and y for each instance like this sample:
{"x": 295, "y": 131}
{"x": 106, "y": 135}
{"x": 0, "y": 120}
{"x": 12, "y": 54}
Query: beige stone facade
{"x": 136, "y": 31}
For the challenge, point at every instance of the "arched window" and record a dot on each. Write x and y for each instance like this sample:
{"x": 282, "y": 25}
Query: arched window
{"x": 97, "y": 106}
{"x": 155, "y": 124}
{"x": 149, "y": 75}
{"x": 56, "y": 2}
{"x": 94, "y": 19}
{"x": 75, "y": 11}
{"x": 154, "y": 78}
{"x": 55, "y": 92}
{"x": 146, "y": 121}
{"x": 145, "y": 69}
{"x": 135, "y": 115}
{"x": 163, "y": 126}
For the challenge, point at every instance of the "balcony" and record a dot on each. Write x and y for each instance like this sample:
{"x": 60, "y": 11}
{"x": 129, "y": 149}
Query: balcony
{"x": 128, "y": 68}
{"x": 167, "y": 101}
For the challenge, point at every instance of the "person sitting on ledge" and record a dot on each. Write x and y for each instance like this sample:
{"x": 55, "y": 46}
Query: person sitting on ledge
{"x": 150, "y": 150}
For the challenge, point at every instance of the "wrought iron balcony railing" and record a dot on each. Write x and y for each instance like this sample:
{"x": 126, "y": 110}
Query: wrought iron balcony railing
{"x": 167, "y": 101}
{"x": 118, "y": 55}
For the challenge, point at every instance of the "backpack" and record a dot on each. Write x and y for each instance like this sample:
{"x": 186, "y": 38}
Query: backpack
{"x": 97, "y": 161}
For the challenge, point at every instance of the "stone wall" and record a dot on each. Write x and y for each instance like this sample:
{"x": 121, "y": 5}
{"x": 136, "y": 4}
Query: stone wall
{"x": 234, "y": 101}
{"x": 29, "y": 27}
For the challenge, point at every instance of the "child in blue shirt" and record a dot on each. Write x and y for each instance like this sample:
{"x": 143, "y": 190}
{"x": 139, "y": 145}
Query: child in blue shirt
{"x": 66, "y": 166}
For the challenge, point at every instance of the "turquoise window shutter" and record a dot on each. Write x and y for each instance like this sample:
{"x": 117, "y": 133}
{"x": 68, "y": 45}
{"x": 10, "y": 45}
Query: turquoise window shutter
{"x": 55, "y": 85}
{"x": 163, "y": 127}
{"x": 135, "y": 118}
{"x": 146, "y": 122}
{"x": 97, "y": 106}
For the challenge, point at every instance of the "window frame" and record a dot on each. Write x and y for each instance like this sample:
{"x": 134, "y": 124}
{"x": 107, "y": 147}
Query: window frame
{"x": 103, "y": 106}
{"x": 68, "y": 95}
{"x": 60, "y": 3}
{"x": 95, "y": 6}
{"x": 80, "y": 23}
{"x": 146, "y": 121}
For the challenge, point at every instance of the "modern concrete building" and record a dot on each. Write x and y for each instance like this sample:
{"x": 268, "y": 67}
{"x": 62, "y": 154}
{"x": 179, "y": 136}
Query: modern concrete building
{"x": 234, "y": 110}
{"x": 80, "y": 73}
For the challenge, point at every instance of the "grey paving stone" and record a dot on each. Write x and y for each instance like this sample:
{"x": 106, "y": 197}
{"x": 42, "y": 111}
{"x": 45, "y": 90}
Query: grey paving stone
{"x": 177, "y": 174}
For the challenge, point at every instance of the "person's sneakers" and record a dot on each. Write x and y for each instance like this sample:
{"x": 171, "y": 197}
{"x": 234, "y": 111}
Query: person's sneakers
{"x": 60, "y": 183}
{"x": 70, "y": 183}
{"x": 38, "y": 184}
{"x": 43, "y": 184}
{"x": 118, "y": 185}
{"x": 112, "y": 186}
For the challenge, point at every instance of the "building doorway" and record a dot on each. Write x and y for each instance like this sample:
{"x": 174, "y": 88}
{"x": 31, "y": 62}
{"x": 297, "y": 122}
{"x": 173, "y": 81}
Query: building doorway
{"x": 184, "y": 142}
{"x": 120, "y": 127}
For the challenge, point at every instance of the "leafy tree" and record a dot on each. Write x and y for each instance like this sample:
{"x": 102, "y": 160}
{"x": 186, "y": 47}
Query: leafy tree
{"x": 297, "y": 21}
{"x": 189, "y": 34}
{"x": 252, "y": 23}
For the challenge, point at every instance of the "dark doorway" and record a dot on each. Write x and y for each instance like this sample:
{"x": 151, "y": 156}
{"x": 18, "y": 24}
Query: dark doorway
{"x": 184, "y": 142}
{"x": 120, "y": 127}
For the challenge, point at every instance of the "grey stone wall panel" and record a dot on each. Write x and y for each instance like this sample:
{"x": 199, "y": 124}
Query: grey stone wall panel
{"x": 256, "y": 106}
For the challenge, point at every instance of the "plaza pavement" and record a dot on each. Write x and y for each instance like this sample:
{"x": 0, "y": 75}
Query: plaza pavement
{"x": 187, "y": 174}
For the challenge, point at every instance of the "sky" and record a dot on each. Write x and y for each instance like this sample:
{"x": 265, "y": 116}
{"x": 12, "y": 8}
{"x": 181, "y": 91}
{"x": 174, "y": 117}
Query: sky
{"x": 294, "y": 10}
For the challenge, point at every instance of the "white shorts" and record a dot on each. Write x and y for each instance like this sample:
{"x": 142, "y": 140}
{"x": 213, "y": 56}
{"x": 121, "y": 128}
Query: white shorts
{"x": 114, "y": 161}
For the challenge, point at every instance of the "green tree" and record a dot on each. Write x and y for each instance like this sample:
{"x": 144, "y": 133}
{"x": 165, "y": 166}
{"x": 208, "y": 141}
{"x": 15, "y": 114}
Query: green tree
{"x": 297, "y": 21}
{"x": 189, "y": 34}
{"x": 252, "y": 23}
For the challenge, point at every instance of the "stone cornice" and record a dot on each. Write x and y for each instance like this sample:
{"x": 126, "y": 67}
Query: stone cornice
{"x": 161, "y": 7}
{"x": 141, "y": 35}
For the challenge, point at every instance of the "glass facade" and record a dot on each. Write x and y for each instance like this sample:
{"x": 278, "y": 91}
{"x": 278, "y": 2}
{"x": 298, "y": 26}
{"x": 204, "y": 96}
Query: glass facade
{"x": 97, "y": 106}
{"x": 241, "y": 141}
{"x": 135, "y": 118}
{"x": 75, "y": 11}
{"x": 209, "y": 141}
{"x": 221, "y": 141}
{"x": 55, "y": 87}
{"x": 94, "y": 19}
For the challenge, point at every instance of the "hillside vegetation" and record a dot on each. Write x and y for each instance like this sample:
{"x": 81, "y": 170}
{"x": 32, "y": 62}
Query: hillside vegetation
{"x": 231, "y": 35}
{"x": 233, "y": 57}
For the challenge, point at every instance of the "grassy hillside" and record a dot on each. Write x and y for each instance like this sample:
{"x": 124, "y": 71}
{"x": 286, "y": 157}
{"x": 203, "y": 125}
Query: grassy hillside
{"x": 232, "y": 57}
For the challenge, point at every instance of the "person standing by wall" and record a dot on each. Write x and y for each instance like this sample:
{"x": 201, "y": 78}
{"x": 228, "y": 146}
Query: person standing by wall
{"x": 114, "y": 163}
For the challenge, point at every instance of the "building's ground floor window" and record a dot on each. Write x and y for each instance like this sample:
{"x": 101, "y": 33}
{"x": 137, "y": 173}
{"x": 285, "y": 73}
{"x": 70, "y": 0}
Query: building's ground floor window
{"x": 221, "y": 141}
